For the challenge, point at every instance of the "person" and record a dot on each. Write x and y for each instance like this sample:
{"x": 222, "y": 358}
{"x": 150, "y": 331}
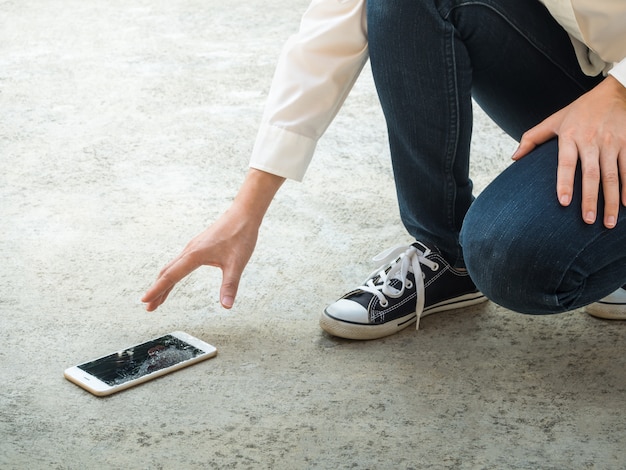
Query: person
{"x": 542, "y": 238}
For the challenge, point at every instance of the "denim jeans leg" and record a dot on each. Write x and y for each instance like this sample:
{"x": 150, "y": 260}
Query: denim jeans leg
{"x": 429, "y": 57}
{"x": 423, "y": 84}
{"x": 526, "y": 252}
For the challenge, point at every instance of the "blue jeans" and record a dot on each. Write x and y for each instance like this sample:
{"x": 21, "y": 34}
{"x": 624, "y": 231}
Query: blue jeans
{"x": 429, "y": 58}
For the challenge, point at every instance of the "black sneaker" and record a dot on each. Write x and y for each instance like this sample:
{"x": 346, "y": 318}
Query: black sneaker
{"x": 413, "y": 281}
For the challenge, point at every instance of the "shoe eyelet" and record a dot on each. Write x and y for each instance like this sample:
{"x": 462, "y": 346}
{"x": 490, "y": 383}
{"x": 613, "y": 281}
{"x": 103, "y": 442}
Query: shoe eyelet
{"x": 435, "y": 267}
{"x": 409, "y": 284}
{"x": 384, "y": 303}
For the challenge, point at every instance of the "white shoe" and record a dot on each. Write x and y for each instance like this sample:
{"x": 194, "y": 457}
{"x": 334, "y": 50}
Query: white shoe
{"x": 612, "y": 307}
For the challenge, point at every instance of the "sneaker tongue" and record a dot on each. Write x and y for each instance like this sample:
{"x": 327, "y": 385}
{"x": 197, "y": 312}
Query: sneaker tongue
{"x": 396, "y": 280}
{"x": 426, "y": 248}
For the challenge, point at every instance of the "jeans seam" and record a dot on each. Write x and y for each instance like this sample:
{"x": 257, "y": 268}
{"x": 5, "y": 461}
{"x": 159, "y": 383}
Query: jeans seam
{"x": 453, "y": 88}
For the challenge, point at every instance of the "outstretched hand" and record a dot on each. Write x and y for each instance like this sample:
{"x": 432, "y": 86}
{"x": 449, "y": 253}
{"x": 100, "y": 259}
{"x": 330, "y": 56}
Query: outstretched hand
{"x": 593, "y": 130}
{"x": 227, "y": 244}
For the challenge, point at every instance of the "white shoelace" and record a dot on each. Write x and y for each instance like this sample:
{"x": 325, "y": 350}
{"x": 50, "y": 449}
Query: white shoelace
{"x": 396, "y": 263}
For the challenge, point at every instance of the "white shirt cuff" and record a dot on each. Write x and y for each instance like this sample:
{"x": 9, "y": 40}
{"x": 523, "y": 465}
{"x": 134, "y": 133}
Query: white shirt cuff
{"x": 282, "y": 152}
{"x": 619, "y": 72}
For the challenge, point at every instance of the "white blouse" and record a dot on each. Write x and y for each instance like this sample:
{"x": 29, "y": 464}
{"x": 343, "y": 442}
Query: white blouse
{"x": 319, "y": 65}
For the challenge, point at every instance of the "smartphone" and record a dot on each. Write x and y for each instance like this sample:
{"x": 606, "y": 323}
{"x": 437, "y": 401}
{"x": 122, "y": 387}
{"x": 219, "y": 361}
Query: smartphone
{"x": 139, "y": 363}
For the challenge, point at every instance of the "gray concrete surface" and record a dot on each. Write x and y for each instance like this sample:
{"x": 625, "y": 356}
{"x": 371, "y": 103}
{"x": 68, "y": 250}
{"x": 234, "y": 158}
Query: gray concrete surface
{"x": 125, "y": 128}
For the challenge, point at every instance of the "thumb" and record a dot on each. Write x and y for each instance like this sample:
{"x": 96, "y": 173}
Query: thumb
{"x": 228, "y": 290}
{"x": 535, "y": 136}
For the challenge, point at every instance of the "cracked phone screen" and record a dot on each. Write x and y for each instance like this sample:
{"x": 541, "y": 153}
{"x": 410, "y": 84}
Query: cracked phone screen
{"x": 140, "y": 360}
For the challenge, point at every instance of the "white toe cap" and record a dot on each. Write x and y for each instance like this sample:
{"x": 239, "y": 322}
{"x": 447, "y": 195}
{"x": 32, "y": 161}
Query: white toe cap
{"x": 348, "y": 310}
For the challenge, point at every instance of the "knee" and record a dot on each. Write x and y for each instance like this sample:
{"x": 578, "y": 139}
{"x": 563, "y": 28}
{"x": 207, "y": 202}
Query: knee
{"x": 504, "y": 262}
{"x": 484, "y": 253}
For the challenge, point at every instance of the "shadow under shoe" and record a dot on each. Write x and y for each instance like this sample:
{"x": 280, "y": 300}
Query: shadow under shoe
{"x": 414, "y": 281}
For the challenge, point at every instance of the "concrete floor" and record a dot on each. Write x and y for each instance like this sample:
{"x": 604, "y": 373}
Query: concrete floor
{"x": 125, "y": 128}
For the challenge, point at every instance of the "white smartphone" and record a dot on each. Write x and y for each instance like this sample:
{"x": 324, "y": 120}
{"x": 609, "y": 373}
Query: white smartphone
{"x": 139, "y": 363}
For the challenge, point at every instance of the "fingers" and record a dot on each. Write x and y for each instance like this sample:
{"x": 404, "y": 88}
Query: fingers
{"x": 183, "y": 265}
{"x": 157, "y": 300}
{"x": 599, "y": 167}
{"x": 590, "y": 166}
{"x": 228, "y": 291}
{"x": 589, "y": 130}
{"x": 610, "y": 185}
{"x": 168, "y": 278}
{"x": 568, "y": 159}
{"x": 231, "y": 276}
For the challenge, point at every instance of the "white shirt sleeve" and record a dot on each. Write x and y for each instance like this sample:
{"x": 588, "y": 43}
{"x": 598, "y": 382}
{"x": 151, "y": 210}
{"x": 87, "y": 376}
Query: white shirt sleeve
{"x": 597, "y": 30}
{"x": 316, "y": 70}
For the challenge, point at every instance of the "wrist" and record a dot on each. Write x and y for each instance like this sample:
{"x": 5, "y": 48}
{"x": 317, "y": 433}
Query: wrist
{"x": 616, "y": 86}
{"x": 256, "y": 194}
{"x": 618, "y": 72}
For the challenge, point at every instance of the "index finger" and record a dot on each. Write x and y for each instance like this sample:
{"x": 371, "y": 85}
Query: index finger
{"x": 168, "y": 278}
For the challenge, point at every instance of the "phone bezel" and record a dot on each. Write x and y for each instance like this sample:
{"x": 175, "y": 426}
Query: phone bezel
{"x": 95, "y": 386}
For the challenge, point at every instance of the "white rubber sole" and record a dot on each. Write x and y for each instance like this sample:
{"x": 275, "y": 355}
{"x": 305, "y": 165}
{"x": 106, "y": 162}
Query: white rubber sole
{"x": 612, "y": 307}
{"x": 343, "y": 329}
{"x": 607, "y": 311}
